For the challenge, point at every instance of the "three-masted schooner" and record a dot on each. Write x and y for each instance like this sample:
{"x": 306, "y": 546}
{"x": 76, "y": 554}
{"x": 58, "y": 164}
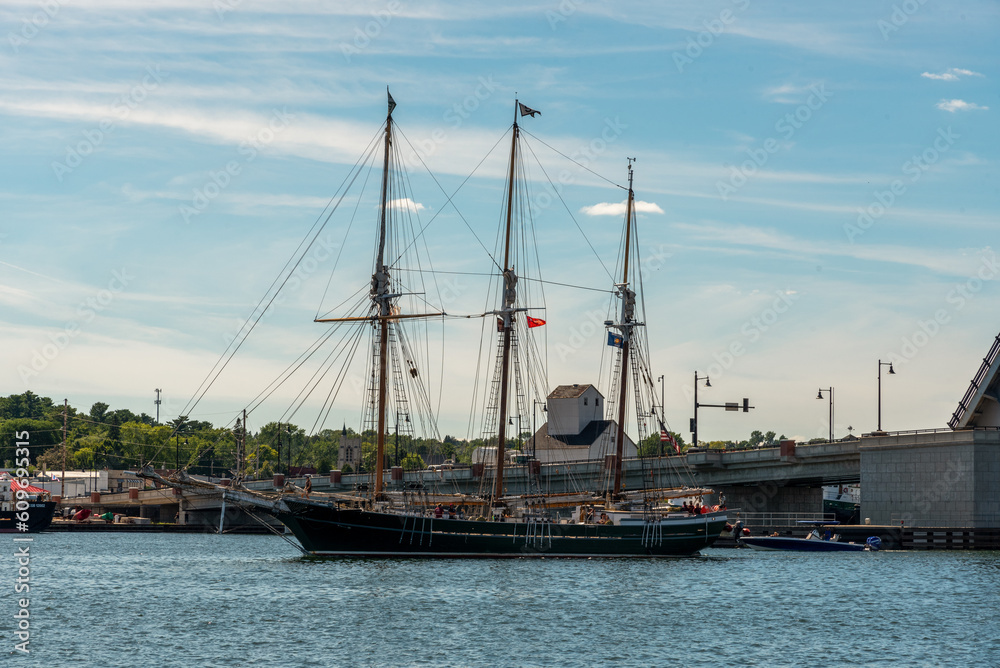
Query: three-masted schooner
{"x": 386, "y": 523}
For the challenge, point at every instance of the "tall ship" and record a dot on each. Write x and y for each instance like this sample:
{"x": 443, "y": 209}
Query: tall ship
{"x": 385, "y": 519}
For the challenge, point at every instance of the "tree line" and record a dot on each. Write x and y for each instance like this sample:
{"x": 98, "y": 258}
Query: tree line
{"x": 119, "y": 439}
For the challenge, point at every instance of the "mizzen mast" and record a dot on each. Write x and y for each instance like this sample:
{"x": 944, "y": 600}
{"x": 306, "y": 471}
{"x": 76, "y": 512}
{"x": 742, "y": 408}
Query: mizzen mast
{"x": 625, "y": 327}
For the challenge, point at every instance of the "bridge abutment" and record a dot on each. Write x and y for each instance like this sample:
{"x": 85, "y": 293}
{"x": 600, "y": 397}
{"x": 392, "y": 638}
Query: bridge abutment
{"x": 938, "y": 479}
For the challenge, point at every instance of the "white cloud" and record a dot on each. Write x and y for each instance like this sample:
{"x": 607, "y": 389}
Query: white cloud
{"x": 618, "y": 208}
{"x": 405, "y": 204}
{"x": 958, "y": 105}
{"x": 951, "y": 74}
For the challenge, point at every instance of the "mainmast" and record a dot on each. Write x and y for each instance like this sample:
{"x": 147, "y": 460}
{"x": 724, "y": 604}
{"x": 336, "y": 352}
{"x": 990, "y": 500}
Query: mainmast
{"x": 507, "y": 313}
{"x": 625, "y": 327}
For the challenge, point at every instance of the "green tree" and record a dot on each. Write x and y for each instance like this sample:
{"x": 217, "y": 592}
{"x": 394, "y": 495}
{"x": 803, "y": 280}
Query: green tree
{"x": 652, "y": 446}
{"x": 98, "y": 411}
{"x": 413, "y": 462}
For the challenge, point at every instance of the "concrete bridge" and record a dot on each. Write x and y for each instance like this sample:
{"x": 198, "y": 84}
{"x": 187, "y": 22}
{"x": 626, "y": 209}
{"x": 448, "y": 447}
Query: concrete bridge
{"x": 930, "y": 478}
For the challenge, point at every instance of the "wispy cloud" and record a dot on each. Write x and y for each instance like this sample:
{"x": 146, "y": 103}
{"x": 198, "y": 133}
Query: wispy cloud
{"x": 952, "y": 74}
{"x": 950, "y": 264}
{"x": 788, "y": 93}
{"x": 959, "y": 105}
{"x": 618, "y": 208}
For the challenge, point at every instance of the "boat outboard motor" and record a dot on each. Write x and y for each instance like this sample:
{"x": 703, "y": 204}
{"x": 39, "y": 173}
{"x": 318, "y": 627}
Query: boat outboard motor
{"x": 873, "y": 543}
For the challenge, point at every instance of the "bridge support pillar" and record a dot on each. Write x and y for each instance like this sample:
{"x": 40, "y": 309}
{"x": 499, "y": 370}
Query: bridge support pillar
{"x": 768, "y": 497}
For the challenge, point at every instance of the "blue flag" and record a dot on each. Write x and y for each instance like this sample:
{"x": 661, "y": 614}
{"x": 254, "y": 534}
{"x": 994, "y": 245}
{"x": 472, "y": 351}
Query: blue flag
{"x": 615, "y": 340}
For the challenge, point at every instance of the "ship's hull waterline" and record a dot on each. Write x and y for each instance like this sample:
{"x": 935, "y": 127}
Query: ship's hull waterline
{"x": 328, "y": 531}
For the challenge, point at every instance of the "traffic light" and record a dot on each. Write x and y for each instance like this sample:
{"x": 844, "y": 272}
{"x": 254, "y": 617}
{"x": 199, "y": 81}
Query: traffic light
{"x": 746, "y": 405}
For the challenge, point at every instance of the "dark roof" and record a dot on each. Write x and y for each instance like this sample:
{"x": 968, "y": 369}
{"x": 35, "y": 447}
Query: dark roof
{"x": 569, "y": 391}
{"x": 588, "y": 436}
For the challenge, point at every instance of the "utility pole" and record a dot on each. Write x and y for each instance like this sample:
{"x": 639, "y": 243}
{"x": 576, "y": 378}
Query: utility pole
{"x": 62, "y": 480}
{"x": 241, "y": 460}
{"x": 157, "y": 402}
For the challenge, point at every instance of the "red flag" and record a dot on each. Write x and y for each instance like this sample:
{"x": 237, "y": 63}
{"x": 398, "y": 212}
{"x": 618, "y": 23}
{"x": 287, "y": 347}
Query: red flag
{"x": 534, "y": 322}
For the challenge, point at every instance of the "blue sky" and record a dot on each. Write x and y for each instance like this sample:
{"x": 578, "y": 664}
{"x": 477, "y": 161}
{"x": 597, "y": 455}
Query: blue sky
{"x": 821, "y": 186}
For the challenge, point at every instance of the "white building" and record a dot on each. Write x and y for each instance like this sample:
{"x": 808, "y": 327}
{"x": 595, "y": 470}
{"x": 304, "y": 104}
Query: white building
{"x": 576, "y": 429}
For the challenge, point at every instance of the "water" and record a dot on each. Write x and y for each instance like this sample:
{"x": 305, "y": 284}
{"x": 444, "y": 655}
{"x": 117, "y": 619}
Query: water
{"x": 205, "y": 600}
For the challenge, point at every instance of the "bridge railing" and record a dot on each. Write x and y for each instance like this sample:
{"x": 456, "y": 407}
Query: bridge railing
{"x": 764, "y": 519}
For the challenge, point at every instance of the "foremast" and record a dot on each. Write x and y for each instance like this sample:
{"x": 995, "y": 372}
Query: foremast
{"x": 625, "y": 326}
{"x": 383, "y": 311}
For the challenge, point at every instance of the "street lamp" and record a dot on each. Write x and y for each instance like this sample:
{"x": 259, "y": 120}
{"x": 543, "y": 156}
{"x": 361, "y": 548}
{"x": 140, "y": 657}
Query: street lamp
{"x": 694, "y": 420}
{"x": 534, "y": 431}
{"x": 891, "y": 373}
{"x": 663, "y": 411}
{"x": 517, "y": 439}
{"x": 819, "y": 395}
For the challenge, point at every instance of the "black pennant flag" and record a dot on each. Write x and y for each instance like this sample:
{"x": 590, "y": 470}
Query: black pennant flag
{"x": 527, "y": 111}
{"x": 392, "y": 102}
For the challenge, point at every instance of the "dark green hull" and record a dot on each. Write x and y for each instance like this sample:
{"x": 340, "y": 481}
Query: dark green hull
{"x": 325, "y": 530}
